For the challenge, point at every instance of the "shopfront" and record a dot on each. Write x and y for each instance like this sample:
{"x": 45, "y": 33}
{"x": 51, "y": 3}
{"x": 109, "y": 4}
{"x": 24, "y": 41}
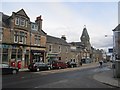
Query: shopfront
{"x": 53, "y": 57}
{"x": 37, "y": 56}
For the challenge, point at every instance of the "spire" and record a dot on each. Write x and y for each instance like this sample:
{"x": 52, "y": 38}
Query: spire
{"x": 84, "y": 36}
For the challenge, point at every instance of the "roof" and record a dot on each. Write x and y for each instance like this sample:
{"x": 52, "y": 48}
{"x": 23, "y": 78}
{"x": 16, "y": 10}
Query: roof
{"x": 117, "y": 28}
{"x": 85, "y": 35}
{"x": 56, "y": 40}
{"x": 76, "y": 43}
{"x": 22, "y": 13}
{"x": 5, "y": 20}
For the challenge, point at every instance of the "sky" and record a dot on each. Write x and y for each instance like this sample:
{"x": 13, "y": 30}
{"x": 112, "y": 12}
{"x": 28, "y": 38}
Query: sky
{"x": 68, "y": 18}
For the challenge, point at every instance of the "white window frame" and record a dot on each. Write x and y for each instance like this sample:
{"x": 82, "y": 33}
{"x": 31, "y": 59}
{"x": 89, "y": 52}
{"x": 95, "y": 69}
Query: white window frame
{"x": 21, "y": 38}
{"x": 17, "y": 21}
{"x": 15, "y": 37}
{"x": 22, "y": 22}
{"x": 34, "y": 26}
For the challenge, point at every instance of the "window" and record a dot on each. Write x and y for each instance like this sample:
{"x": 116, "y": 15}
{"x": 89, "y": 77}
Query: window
{"x": 15, "y": 37}
{"x": 22, "y": 22}
{"x": 37, "y": 40}
{"x": 59, "y": 48}
{"x": 16, "y": 21}
{"x": 26, "y": 23}
{"x": 0, "y": 36}
{"x": 25, "y": 37}
{"x": 50, "y": 48}
{"x": 34, "y": 27}
{"x": 21, "y": 38}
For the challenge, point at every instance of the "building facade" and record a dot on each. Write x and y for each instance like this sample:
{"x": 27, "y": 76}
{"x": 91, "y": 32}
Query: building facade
{"x": 116, "y": 50}
{"x": 57, "y": 49}
{"x": 19, "y": 39}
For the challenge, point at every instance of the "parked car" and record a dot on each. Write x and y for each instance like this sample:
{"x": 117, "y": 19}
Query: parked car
{"x": 6, "y": 69}
{"x": 59, "y": 65}
{"x": 38, "y": 66}
{"x": 72, "y": 64}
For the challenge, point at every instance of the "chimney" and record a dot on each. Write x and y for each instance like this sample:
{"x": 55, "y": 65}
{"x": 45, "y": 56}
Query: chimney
{"x": 63, "y": 37}
{"x": 39, "y": 22}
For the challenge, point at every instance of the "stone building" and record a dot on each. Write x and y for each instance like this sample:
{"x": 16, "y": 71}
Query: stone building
{"x": 20, "y": 39}
{"x": 116, "y": 50}
{"x": 83, "y": 48}
{"x": 38, "y": 41}
{"x": 57, "y": 49}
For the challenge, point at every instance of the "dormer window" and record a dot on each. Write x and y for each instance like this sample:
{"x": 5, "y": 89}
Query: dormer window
{"x": 17, "y": 21}
{"x": 34, "y": 27}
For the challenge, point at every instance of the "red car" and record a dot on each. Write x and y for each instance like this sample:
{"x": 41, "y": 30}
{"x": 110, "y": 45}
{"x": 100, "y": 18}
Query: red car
{"x": 59, "y": 65}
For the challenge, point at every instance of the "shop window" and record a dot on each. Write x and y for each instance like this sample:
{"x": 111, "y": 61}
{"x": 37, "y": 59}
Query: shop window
{"x": 5, "y": 55}
{"x": 13, "y": 56}
{"x": 19, "y": 54}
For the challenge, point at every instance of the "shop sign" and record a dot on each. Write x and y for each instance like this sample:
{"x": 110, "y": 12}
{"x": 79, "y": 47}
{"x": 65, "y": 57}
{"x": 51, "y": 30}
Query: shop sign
{"x": 5, "y": 46}
{"x": 37, "y": 53}
{"x": 52, "y": 55}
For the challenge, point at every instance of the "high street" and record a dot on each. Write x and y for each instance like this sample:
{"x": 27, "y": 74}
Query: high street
{"x": 64, "y": 78}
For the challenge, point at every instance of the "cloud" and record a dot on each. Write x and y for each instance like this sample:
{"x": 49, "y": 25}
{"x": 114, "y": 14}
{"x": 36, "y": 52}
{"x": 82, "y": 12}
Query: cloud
{"x": 69, "y": 18}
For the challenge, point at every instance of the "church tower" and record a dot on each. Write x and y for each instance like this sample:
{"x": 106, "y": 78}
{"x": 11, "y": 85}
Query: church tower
{"x": 85, "y": 39}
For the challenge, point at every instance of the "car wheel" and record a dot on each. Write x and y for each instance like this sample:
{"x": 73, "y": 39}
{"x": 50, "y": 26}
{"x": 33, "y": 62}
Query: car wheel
{"x": 59, "y": 67}
{"x": 49, "y": 68}
{"x": 72, "y": 66}
{"x": 14, "y": 72}
{"x": 38, "y": 69}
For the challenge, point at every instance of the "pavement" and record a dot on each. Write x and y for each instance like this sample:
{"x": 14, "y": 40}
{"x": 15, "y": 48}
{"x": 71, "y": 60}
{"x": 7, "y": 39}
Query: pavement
{"x": 105, "y": 77}
{"x": 108, "y": 78}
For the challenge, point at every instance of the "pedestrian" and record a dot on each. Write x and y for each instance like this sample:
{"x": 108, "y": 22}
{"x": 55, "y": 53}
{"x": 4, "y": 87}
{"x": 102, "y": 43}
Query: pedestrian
{"x": 100, "y": 62}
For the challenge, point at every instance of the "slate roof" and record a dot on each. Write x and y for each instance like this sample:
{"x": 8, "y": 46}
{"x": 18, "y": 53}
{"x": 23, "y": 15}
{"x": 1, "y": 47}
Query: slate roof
{"x": 77, "y": 44}
{"x": 56, "y": 40}
{"x": 5, "y": 20}
{"x": 117, "y": 28}
{"x": 85, "y": 35}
